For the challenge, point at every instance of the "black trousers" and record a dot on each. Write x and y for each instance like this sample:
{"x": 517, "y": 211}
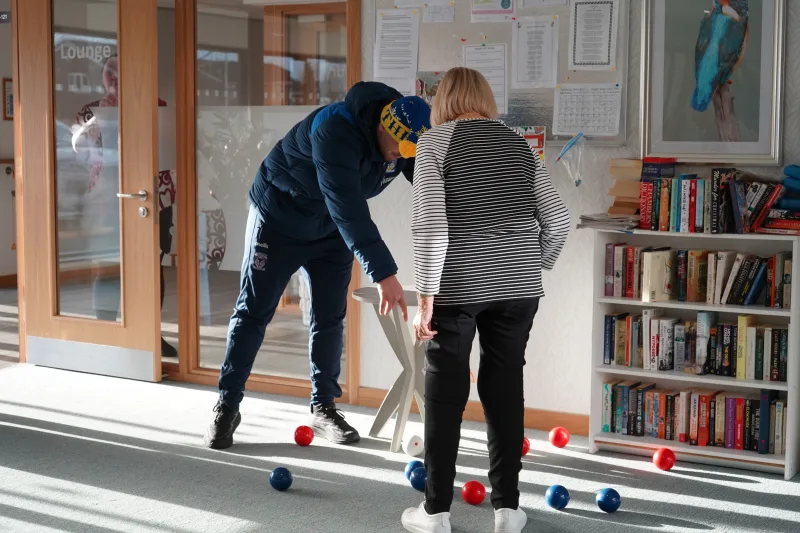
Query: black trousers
{"x": 504, "y": 329}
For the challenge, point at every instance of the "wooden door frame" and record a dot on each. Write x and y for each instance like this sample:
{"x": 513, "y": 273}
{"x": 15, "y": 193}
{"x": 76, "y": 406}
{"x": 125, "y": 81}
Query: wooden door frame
{"x": 34, "y": 156}
{"x": 188, "y": 369}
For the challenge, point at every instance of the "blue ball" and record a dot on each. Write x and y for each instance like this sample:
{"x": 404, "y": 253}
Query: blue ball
{"x": 281, "y": 479}
{"x": 413, "y": 465}
{"x": 557, "y": 497}
{"x": 608, "y": 500}
{"x": 418, "y": 478}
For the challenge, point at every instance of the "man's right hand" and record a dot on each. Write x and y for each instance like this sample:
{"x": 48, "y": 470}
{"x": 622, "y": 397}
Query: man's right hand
{"x": 391, "y": 295}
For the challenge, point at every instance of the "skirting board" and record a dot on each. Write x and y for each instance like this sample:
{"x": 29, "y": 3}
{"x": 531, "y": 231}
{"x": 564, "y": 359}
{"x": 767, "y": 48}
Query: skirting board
{"x": 368, "y": 397}
{"x": 534, "y": 418}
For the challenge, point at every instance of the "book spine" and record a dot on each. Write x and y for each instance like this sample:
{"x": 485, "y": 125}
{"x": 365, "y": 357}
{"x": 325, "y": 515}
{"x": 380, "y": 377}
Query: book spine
{"x": 607, "y": 407}
{"x": 656, "y": 401}
{"x": 755, "y": 426}
{"x": 692, "y": 205}
{"x": 736, "y": 206}
{"x": 748, "y": 414}
{"x": 664, "y": 205}
{"x": 646, "y": 317}
{"x": 787, "y": 284}
{"x": 760, "y": 205}
{"x": 669, "y": 413}
{"x": 721, "y": 403}
{"x": 764, "y": 406}
{"x": 637, "y": 272}
{"x": 768, "y": 292}
{"x": 772, "y": 427}
{"x": 713, "y": 368}
{"x": 718, "y": 350}
{"x": 774, "y": 356}
{"x": 619, "y": 268}
{"x": 686, "y": 192}
{"x": 674, "y": 205}
{"x": 648, "y": 413}
{"x": 707, "y": 207}
{"x": 758, "y": 371}
{"x": 757, "y": 286}
{"x": 654, "y": 344}
{"x": 680, "y": 346}
{"x": 690, "y": 362}
{"x": 716, "y": 175}
{"x": 700, "y": 195}
{"x": 741, "y": 348}
{"x": 633, "y": 395}
{"x": 693, "y": 419}
{"x": 777, "y": 286}
{"x": 618, "y": 409}
{"x": 639, "y": 429}
{"x": 608, "y": 340}
{"x": 782, "y": 224}
{"x": 734, "y": 344}
{"x": 702, "y": 421}
{"x": 629, "y": 254}
{"x": 730, "y": 422}
{"x": 779, "y": 419}
{"x": 662, "y": 415}
{"x": 625, "y": 404}
{"x": 750, "y": 354}
{"x": 681, "y": 420}
{"x": 645, "y": 204}
{"x": 681, "y": 275}
{"x": 737, "y": 264}
{"x": 784, "y": 355}
{"x": 712, "y": 421}
{"x": 712, "y": 278}
{"x": 741, "y": 276}
{"x": 738, "y": 442}
{"x": 767, "y": 361}
{"x": 727, "y": 348}
{"x": 656, "y": 207}
{"x": 752, "y": 271}
{"x": 667, "y": 346}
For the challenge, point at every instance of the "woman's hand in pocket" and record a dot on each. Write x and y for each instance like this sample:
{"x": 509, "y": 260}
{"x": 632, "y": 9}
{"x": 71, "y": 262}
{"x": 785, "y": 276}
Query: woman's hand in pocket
{"x": 422, "y": 322}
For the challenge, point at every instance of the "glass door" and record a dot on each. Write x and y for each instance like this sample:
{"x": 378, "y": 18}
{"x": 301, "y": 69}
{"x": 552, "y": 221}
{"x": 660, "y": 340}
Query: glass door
{"x": 90, "y": 203}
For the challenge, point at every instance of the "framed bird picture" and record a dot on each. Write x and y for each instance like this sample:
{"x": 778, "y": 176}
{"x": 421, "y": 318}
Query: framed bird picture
{"x": 712, "y": 74}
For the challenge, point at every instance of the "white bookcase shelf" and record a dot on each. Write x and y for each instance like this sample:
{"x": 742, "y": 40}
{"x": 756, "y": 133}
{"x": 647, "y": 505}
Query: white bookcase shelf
{"x": 786, "y": 464}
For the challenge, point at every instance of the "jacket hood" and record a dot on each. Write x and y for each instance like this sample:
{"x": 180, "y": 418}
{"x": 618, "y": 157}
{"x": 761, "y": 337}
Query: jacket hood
{"x": 362, "y": 97}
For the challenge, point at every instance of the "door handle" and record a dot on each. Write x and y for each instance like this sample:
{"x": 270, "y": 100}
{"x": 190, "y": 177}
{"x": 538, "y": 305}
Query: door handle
{"x": 141, "y": 195}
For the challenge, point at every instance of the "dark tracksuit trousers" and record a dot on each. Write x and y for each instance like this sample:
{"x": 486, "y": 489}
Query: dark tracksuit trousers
{"x": 504, "y": 329}
{"x": 270, "y": 260}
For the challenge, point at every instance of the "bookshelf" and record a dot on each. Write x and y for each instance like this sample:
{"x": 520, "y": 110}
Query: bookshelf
{"x": 786, "y": 464}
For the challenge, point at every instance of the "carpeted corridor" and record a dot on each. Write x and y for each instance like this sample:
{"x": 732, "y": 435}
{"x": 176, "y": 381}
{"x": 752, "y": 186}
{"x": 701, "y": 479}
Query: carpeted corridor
{"x": 89, "y": 454}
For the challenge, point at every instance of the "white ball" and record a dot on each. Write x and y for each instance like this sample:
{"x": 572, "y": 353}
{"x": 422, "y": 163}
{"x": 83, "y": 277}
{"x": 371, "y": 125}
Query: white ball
{"x": 413, "y": 445}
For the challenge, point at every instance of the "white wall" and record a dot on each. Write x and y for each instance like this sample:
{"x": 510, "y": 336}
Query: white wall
{"x": 558, "y": 369}
{"x": 8, "y": 257}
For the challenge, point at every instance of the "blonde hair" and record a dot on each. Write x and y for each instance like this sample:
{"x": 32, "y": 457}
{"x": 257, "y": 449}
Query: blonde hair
{"x": 462, "y": 91}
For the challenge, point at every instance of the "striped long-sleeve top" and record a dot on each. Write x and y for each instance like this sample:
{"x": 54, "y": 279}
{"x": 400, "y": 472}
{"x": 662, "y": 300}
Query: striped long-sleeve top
{"x": 486, "y": 219}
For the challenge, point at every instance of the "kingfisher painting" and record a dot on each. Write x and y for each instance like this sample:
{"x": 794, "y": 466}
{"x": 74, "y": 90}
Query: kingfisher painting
{"x": 721, "y": 45}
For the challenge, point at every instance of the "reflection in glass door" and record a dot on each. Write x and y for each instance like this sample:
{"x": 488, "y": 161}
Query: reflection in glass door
{"x": 249, "y": 95}
{"x": 87, "y": 164}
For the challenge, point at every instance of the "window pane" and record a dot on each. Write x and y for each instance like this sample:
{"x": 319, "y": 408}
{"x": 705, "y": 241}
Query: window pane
{"x": 235, "y": 132}
{"x": 86, "y": 129}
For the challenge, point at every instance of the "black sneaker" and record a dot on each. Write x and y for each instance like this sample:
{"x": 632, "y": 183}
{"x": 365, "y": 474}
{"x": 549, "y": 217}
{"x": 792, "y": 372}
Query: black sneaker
{"x": 168, "y": 350}
{"x": 328, "y": 422}
{"x": 219, "y": 434}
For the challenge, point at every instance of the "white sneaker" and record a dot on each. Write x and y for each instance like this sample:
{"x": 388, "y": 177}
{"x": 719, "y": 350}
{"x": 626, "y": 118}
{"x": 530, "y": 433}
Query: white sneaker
{"x": 417, "y": 520}
{"x": 509, "y": 520}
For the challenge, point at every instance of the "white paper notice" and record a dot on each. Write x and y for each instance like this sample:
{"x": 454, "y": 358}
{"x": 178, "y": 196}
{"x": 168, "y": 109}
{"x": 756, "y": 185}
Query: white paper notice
{"x": 439, "y": 13}
{"x": 540, "y": 3}
{"x": 406, "y": 87}
{"x": 409, "y": 3}
{"x": 587, "y": 108}
{"x": 534, "y": 52}
{"x": 397, "y": 44}
{"x": 593, "y": 34}
{"x": 490, "y": 60}
{"x": 493, "y": 10}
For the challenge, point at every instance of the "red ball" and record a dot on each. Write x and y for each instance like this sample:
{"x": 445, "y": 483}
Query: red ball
{"x": 473, "y": 492}
{"x": 526, "y": 446}
{"x": 664, "y": 459}
{"x": 303, "y": 435}
{"x": 559, "y": 437}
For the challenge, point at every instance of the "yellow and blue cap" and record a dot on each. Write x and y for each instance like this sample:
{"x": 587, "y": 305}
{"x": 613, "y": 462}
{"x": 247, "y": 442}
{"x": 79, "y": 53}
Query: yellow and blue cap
{"x": 406, "y": 119}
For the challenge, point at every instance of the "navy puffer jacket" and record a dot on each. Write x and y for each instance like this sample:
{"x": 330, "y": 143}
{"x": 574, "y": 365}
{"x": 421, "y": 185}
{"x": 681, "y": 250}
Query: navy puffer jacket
{"x": 318, "y": 178}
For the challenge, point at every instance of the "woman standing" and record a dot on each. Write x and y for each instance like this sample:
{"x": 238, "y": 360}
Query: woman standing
{"x": 486, "y": 221}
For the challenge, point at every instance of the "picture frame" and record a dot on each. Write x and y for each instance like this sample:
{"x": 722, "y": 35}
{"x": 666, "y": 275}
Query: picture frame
{"x": 8, "y": 99}
{"x": 689, "y": 97}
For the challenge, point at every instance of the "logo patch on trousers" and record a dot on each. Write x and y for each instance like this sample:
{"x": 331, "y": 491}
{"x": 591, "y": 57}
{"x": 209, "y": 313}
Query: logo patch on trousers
{"x": 259, "y": 261}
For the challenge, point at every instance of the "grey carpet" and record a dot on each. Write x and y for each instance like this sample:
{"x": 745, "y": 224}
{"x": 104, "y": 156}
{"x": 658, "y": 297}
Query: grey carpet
{"x": 82, "y": 453}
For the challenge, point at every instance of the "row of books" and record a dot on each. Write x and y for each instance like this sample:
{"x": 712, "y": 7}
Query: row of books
{"x": 742, "y": 349}
{"x": 627, "y": 174}
{"x": 754, "y": 422}
{"x": 725, "y": 203}
{"x": 723, "y": 277}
